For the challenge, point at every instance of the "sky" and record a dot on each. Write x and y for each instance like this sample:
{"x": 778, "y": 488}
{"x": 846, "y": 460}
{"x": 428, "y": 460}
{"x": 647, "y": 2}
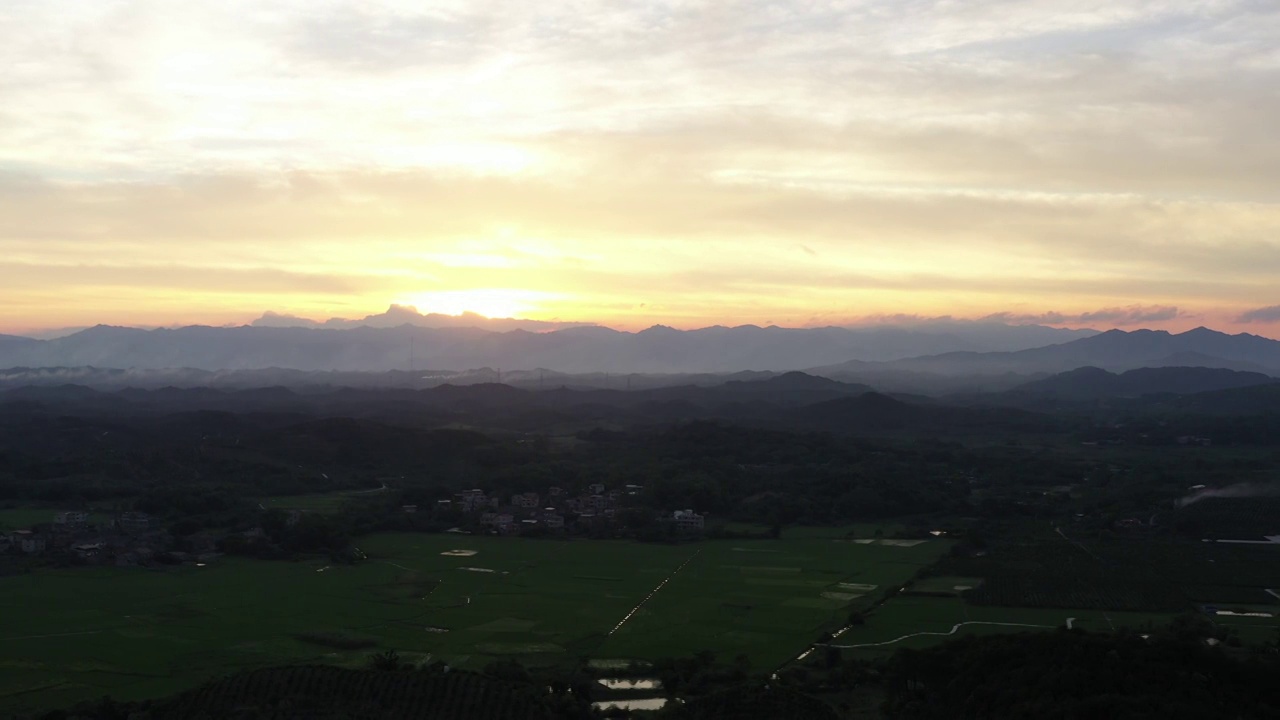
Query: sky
{"x": 1102, "y": 163}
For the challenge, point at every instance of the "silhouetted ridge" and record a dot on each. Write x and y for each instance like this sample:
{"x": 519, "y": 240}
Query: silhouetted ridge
{"x": 1114, "y": 350}
{"x": 796, "y": 380}
{"x": 1092, "y": 383}
{"x": 875, "y": 412}
{"x": 431, "y": 350}
{"x": 13, "y": 342}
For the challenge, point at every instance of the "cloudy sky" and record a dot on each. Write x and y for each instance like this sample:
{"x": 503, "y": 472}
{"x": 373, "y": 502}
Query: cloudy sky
{"x": 1093, "y": 162}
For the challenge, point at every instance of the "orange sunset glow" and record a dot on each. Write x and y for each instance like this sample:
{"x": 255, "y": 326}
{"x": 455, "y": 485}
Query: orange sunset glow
{"x": 689, "y": 164}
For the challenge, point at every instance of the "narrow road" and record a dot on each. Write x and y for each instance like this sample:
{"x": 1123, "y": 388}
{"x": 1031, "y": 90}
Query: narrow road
{"x": 941, "y": 634}
{"x": 1088, "y": 552}
{"x": 653, "y": 592}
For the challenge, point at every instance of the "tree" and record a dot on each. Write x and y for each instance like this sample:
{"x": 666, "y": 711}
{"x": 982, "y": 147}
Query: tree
{"x": 386, "y": 661}
{"x": 508, "y": 670}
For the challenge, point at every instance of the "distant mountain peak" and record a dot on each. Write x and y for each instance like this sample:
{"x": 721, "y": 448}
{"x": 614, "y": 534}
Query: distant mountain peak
{"x": 796, "y": 380}
{"x": 397, "y": 316}
{"x": 386, "y": 343}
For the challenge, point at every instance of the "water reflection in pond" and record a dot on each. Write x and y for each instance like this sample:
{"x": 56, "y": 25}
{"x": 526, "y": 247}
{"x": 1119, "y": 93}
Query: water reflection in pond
{"x": 635, "y": 684}
{"x": 633, "y": 704}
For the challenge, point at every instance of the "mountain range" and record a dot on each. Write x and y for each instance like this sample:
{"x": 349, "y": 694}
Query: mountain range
{"x": 583, "y": 349}
{"x": 880, "y": 356}
{"x": 1114, "y": 350}
{"x": 398, "y": 315}
{"x": 790, "y": 400}
{"x": 1090, "y": 383}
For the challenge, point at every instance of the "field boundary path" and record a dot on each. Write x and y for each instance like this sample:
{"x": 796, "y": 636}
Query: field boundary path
{"x": 55, "y": 635}
{"x": 941, "y": 634}
{"x": 1088, "y": 552}
{"x": 653, "y": 592}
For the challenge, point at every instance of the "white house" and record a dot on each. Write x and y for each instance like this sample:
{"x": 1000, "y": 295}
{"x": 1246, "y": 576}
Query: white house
{"x": 71, "y": 517}
{"x": 526, "y": 501}
{"x": 688, "y": 520}
{"x": 28, "y": 542}
{"x": 135, "y": 522}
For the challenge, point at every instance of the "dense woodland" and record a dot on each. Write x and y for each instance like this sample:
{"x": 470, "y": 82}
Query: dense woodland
{"x": 199, "y": 464}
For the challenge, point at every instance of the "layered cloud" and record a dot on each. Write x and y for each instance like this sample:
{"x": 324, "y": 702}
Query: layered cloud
{"x": 678, "y": 162}
{"x": 1269, "y": 314}
{"x": 1125, "y": 316}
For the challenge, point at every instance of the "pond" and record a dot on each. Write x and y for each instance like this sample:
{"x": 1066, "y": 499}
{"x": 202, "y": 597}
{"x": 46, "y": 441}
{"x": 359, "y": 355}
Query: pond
{"x": 656, "y": 703}
{"x": 632, "y": 684}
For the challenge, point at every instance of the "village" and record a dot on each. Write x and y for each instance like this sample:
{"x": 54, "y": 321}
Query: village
{"x": 557, "y": 511}
{"x": 133, "y": 538}
{"x": 127, "y": 538}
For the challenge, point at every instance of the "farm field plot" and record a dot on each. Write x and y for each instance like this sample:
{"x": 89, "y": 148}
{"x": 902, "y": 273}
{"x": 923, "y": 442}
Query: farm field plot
{"x": 1135, "y": 575}
{"x": 1253, "y": 623}
{"x": 24, "y": 517}
{"x": 767, "y": 599}
{"x": 944, "y": 585}
{"x": 316, "y": 503}
{"x": 901, "y": 618}
{"x": 1238, "y": 518}
{"x": 135, "y": 633}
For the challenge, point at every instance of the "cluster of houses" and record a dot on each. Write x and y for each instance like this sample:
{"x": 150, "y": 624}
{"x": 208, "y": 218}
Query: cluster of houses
{"x": 556, "y": 511}
{"x": 129, "y": 538}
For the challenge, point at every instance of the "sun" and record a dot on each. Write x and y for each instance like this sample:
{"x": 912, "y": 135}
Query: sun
{"x": 491, "y": 302}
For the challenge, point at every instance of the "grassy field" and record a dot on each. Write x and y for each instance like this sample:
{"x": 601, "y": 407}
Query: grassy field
{"x": 1140, "y": 574}
{"x": 317, "y": 503}
{"x": 908, "y": 614}
{"x": 134, "y": 633}
{"x": 20, "y": 518}
{"x": 1251, "y": 629}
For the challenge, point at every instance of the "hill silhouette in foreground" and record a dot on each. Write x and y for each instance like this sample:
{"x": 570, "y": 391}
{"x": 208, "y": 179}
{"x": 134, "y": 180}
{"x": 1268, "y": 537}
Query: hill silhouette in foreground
{"x": 1090, "y": 383}
{"x": 1114, "y": 350}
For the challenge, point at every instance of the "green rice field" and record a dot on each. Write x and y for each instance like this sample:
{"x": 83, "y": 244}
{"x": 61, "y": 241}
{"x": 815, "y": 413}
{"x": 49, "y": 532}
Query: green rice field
{"x": 25, "y": 517}
{"x": 323, "y": 503}
{"x": 897, "y": 623}
{"x": 134, "y": 633}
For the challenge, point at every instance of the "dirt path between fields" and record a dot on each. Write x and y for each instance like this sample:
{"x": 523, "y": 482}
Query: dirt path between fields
{"x": 649, "y": 597}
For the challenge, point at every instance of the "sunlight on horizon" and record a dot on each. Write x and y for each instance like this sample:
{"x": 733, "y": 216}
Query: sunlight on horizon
{"x": 487, "y": 302}
{"x": 640, "y": 164}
